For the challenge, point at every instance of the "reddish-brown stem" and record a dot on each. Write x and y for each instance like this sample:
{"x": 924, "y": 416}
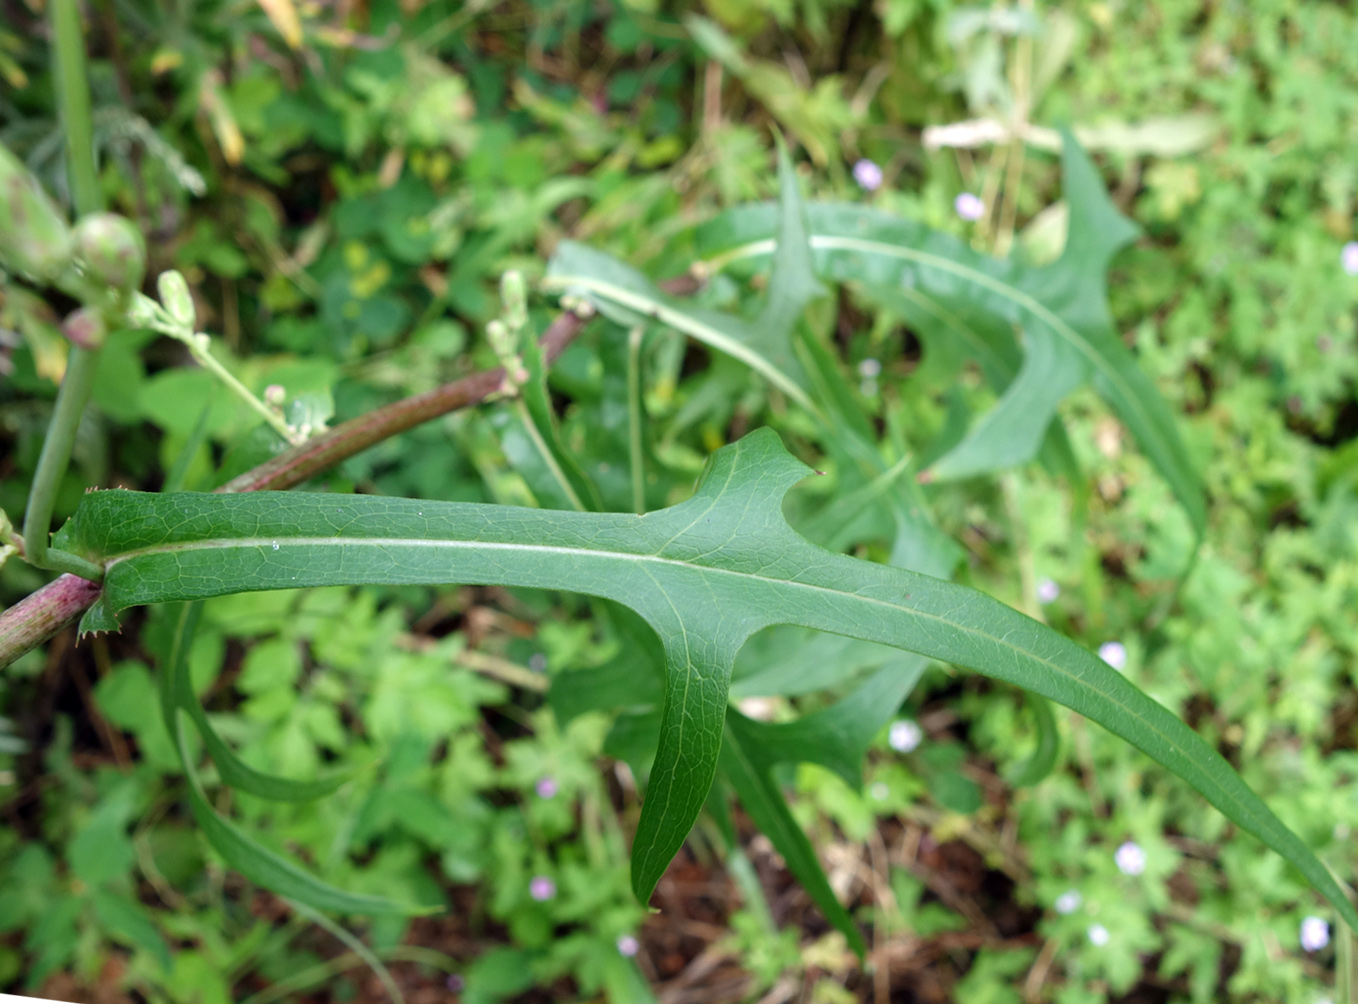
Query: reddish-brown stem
{"x": 322, "y": 452}
{"x": 38, "y": 617}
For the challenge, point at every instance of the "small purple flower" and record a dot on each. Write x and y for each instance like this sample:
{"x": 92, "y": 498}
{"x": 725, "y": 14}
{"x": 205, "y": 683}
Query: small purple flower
{"x": 1130, "y": 858}
{"x": 547, "y": 788}
{"x": 969, "y": 207}
{"x": 541, "y": 888}
{"x": 455, "y": 983}
{"x": 1349, "y": 257}
{"x": 628, "y": 945}
{"x": 905, "y": 736}
{"x": 1047, "y": 591}
{"x": 868, "y": 175}
{"x": 1315, "y": 934}
{"x": 1068, "y": 902}
{"x": 1114, "y": 653}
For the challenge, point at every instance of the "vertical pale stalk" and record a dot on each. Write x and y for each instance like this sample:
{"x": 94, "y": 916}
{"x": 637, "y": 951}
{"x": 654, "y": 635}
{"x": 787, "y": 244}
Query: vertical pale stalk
{"x": 634, "y": 416}
{"x": 73, "y": 95}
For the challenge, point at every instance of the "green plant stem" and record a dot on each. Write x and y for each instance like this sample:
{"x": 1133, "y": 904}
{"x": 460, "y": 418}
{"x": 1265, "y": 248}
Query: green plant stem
{"x": 634, "y": 416}
{"x": 323, "y": 971}
{"x": 545, "y": 452}
{"x": 73, "y": 97}
{"x": 52, "y": 463}
{"x": 198, "y": 346}
{"x": 1023, "y": 553}
{"x": 1344, "y": 965}
{"x": 73, "y": 94}
{"x": 354, "y": 945}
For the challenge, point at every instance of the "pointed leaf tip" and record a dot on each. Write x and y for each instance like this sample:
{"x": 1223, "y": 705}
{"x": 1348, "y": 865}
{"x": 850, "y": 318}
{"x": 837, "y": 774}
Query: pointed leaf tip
{"x": 1097, "y": 230}
{"x": 760, "y": 463}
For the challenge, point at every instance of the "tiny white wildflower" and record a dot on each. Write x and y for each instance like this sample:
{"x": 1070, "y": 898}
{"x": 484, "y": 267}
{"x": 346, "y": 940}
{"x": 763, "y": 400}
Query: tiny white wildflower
{"x": 1114, "y": 653}
{"x": 1068, "y": 902}
{"x": 969, "y": 207}
{"x": 879, "y": 791}
{"x": 1130, "y": 858}
{"x": 1349, "y": 257}
{"x": 1047, "y": 591}
{"x": 868, "y": 175}
{"x": 905, "y": 736}
{"x": 1315, "y": 934}
{"x": 1098, "y": 935}
{"x": 870, "y": 369}
{"x": 628, "y": 945}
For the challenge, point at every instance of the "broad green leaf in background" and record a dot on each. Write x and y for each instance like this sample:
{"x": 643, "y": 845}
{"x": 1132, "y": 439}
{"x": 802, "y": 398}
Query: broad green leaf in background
{"x": 705, "y": 574}
{"x": 764, "y": 344}
{"x": 1059, "y": 311}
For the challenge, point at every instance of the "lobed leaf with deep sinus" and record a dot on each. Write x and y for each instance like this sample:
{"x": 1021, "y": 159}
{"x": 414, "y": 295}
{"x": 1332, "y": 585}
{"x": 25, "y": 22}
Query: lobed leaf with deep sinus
{"x": 705, "y": 574}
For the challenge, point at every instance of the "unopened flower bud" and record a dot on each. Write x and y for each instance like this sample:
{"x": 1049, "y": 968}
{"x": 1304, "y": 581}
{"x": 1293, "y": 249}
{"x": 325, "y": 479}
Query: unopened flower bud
{"x": 274, "y": 395}
{"x": 502, "y": 340}
{"x": 514, "y": 294}
{"x": 175, "y": 297}
{"x": 113, "y": 250}
{"x": 35, "y": 238}
{"x": 85, "y": 327}
{"x": 143, "y": 311}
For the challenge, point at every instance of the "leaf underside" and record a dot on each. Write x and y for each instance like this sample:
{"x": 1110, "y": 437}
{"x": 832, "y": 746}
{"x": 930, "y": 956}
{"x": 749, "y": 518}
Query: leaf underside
{"x": 705, "y": 575}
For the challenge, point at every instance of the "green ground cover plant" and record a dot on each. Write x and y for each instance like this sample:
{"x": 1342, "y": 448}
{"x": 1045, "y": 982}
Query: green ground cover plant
{"x": 971, "y": 416}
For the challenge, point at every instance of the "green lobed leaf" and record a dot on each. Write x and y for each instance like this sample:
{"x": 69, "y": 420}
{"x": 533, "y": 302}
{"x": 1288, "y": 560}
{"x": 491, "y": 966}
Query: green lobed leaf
{"x": 1061, "y": 310}
{"x": 705, "y": 574}
{"x": 781, "y": 660}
